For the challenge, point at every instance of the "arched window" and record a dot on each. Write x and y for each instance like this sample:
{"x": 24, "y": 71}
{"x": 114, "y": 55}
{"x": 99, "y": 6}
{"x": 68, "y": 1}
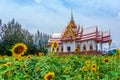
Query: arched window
{"x": 91, "y": 47}
{"x": 84, "y": 47}
{"x": 68, "y": 49}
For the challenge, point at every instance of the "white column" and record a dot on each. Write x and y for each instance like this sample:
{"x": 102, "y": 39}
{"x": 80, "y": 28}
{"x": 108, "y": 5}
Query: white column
{"x": 101, "y": 46}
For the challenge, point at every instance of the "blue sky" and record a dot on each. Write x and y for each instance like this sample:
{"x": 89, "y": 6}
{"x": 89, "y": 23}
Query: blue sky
{"x": 50, "y": 16}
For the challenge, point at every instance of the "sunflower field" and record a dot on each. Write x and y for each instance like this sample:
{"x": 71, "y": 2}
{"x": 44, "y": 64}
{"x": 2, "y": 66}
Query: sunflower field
{"x": 50, "y": 67}
{"x": 55, "y": 67}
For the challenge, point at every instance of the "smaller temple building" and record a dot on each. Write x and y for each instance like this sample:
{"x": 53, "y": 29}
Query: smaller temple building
{"x": 77, "y": 37}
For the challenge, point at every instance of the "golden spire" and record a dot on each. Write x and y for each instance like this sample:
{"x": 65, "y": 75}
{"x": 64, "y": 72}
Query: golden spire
{"x": 71, "y": 15}
{"x": 72, "y": 23}
{"x": 70, "y": 29}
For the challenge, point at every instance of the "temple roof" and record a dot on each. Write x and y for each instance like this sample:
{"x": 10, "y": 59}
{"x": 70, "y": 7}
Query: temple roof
{"x": 107, "y": 33}
{"x": 78, "y": 33}
{"x": 89, "y": 30}
{"x": 70, "y": 30}
{"x": 56, "y": 35}
{"x": 72, "y": 23}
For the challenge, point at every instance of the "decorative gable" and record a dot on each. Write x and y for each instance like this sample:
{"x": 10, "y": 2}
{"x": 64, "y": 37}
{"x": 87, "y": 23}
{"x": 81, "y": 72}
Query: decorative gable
{"x": 70, "y": 30}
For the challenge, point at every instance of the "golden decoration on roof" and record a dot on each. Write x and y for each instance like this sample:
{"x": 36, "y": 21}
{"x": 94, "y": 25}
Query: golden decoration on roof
{"x": 72, "y": 23}
{"x": 70, "y": 29}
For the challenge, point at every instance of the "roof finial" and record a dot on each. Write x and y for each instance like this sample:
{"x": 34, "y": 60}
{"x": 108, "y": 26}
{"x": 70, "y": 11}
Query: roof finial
{"x": 71, "y": 15}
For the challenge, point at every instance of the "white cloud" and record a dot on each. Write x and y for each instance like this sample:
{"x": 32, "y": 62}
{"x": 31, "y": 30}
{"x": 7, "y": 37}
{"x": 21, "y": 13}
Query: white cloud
{"x": 38, "y": 1}
{"x": 52, "y": 16}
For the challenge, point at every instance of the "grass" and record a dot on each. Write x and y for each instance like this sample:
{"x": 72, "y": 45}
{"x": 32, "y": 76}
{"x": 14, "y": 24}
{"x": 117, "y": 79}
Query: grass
{"x": 64, "y": 67}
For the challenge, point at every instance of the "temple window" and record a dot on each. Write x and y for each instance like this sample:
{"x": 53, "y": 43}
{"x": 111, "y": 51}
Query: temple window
{"x": 91, "y": 47}
{"x": 68, "y": 48}
{"x": 61, "y": 48}
{"x": 84, "y": 47}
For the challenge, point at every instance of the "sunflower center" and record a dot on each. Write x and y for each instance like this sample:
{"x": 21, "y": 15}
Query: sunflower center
{"x": 88, "y": 63}
{"x": 55, "y": 45}
{"x": 84, "y": 68}
{"x": 19, "y": 49}
{"x": 42, "y": 55}
{"x": 29, "y": 56}
{"x": 76, "y": 50}
{"x": 16, "y": 59}
{"x": 94, "y": 66}
{"x": 106, "y": 60}
{"x": 50, "y": 77}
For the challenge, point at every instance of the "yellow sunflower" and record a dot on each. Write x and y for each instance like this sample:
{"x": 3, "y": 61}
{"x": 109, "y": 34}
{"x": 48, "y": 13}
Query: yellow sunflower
{"x": 8, "y": 63}
{"x": 118, "y": 51}
{"x": 3, "y": 65}
{"x": 17, "y": 59}
{"x": 87, "y": 63}
{"x": 94, "y": 67}
{"x": 105, "y": 60}
{"x": 49, "y": 76}
{"x": 19, "y": 49}
{"x": 55, "y": 45}
{"x": 24, "y": 66}
{"x": 26, "y": 76}
{"x": 29, "y": 56}
{"x": 41, "y": 54}
{"x": 84, "y": 68}
{"x": 77, "y": 50}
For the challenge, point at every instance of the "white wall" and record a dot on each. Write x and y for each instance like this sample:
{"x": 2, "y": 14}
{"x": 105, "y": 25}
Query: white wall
{"x": 67, "y": 44}
{"x": 87, "y": 43}
{"x": 73, "y": 45}
{"x": 60, "y": 47}
{"x": 82, "y": 44}
{"x": 50, "y": 48}
{"x": 93, "y": 43}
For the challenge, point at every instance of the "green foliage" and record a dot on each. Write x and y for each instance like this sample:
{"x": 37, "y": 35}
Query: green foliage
{"x": 65, "y": 68}
{"x": 12, "y": 33}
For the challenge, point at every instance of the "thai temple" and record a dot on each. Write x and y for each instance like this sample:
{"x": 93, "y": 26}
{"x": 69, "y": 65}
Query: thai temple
{"x": 77, "y": 37}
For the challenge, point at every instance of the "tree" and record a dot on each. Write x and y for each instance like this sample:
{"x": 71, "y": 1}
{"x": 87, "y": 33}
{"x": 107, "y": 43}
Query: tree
{"x": 12, "y": 33}
{"x": 0, "y": 29}
{"x": 41, "y": 40}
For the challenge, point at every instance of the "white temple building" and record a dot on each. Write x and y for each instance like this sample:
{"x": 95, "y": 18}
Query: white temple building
{"x": 75, "y": 36}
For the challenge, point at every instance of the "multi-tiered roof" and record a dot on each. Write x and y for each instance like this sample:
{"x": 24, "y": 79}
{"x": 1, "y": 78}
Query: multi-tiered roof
{"x": 79, "y": 34}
